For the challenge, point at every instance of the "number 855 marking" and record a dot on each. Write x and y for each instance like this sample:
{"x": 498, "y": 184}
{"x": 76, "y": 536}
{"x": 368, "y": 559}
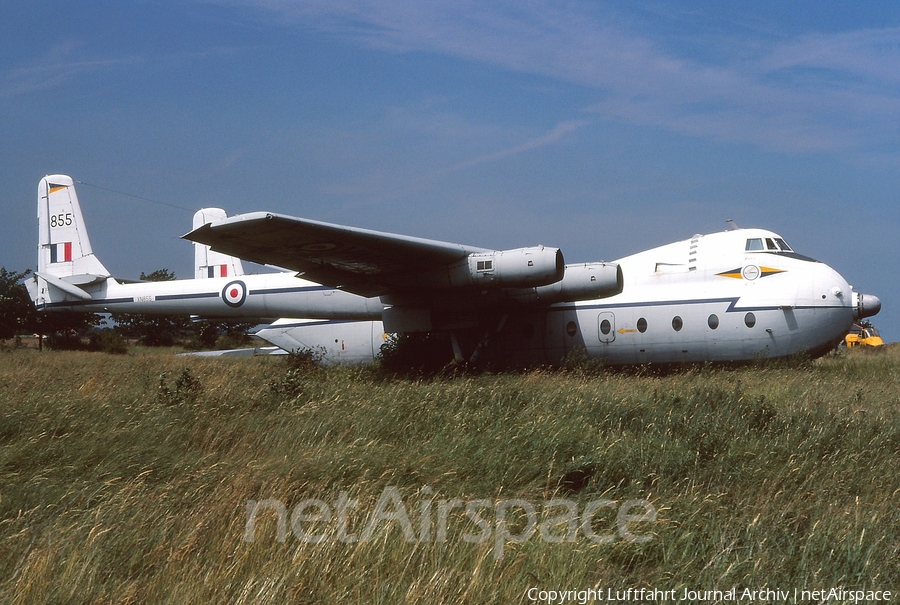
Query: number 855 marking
{"x": 63, "y": 219}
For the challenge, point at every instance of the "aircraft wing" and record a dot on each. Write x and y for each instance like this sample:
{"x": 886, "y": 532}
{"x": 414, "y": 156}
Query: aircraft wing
{"x": 425, "y": 284}
{"x": 362, "y": 261}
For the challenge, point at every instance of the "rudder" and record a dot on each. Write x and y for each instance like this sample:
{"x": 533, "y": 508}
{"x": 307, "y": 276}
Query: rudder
{"x": 64, "y": 249}
{"x": 207, "y": 262}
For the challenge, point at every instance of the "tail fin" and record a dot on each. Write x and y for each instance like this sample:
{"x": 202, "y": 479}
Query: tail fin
{"x": 64, "y": 250}
{"x": 207, "y": 262}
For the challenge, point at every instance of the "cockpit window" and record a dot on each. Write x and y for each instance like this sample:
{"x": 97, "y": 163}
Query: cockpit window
{"x": 783, "y": 245}
{"x": 772, "y": 244}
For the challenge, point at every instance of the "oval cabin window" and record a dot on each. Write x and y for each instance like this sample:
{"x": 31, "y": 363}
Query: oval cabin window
{"x": 605, "y": 327}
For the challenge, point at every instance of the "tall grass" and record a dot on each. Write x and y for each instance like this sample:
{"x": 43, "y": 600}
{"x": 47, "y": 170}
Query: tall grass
{"x": 127, "y": 479}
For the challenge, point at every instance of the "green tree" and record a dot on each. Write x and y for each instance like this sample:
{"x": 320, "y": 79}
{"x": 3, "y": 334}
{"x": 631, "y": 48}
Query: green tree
{"x": 220, "y": 334}
{"x": 17, "y": 314}
{"x": 153, "y": 330}
{"x": 158, "y": 275}
{"x": 66, "y": 329}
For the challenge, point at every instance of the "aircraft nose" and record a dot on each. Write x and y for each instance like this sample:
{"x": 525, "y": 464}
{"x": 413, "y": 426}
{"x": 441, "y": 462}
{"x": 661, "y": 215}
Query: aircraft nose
{"x": 865, "y": 305}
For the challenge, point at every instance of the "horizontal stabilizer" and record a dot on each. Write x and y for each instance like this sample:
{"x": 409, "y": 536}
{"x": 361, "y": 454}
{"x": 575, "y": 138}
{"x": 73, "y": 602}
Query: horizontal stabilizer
{"x": 84, "y": 279}
{"x": 248, "y": 352}
{"x": 64, "y": 286}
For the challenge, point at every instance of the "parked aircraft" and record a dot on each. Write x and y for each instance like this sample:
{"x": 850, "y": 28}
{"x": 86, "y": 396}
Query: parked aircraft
{"x": 737, "y": 295}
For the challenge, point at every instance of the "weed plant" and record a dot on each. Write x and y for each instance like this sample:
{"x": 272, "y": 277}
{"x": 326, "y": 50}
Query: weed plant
{"x": 127, "y": 478}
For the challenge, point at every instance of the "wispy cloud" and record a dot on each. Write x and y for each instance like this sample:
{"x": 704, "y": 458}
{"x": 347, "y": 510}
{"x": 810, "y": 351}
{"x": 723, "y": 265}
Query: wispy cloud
{"x": 867, "y": 57}
{"x": 813, "y": 92}
{"x": 67, "y": 62}
{"x": 58, "y": 66}
{"x": 424, "y": 181}
{"x": 549, "y": 138}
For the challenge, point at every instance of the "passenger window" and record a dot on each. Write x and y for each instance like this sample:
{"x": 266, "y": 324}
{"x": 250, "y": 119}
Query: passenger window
{"x": 713, "y": 321}
{"x": 642, "y": 325}
{"x": 754, "y": 244}
{"x": 677, "y": 323}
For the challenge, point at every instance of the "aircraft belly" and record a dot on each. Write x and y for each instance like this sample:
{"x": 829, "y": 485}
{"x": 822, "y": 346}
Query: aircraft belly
{"x": 531, "y": 338}
{"x": 710, "y": 329}
{"x": 337, "y": 342}
{"x": 718, "y": 330}
{"x": 317, "y": 304}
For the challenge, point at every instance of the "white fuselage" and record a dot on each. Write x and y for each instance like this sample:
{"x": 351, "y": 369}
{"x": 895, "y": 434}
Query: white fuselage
{"x": 707, "y": 299}
{"x": 730, "y": 296}
{"x": 270, "y": 295}
{"x": 702, "y": 299}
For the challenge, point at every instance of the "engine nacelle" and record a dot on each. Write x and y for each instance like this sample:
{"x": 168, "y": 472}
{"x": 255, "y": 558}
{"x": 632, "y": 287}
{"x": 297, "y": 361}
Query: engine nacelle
{"x": 519, "y": 268}
{"x": 586, "y": 281}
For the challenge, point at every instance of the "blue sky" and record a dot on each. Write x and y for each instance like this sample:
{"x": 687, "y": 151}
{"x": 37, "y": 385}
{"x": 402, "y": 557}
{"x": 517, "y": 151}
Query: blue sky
{"x": 601, "y": 128}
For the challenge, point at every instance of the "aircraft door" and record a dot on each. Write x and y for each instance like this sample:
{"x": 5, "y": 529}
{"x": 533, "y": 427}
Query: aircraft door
{"x": 606, "y": 326}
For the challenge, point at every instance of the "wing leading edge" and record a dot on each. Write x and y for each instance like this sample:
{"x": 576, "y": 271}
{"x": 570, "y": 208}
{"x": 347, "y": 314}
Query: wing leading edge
{"x": 426, "y": 284}
{"x": 362, "y": 261}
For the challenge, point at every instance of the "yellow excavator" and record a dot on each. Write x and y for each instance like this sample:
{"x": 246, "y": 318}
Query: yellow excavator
{"x": 863, "y": 335}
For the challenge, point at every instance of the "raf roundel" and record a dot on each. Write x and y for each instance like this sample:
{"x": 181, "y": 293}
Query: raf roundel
{"x": 235, "y": 293}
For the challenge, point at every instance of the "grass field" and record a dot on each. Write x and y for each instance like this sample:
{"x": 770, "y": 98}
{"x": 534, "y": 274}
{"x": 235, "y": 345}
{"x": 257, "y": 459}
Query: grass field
{"x": 132, "y": 479}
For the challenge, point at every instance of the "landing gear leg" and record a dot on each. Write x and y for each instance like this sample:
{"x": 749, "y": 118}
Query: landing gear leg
{"x": 482, "y": 344}
{"x": 457, "y": 350}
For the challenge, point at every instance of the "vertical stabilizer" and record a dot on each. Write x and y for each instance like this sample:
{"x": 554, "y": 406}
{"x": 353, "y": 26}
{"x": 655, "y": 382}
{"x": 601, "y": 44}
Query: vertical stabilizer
{"x": 207, "y": 262}
{"x": 64, "y": 250}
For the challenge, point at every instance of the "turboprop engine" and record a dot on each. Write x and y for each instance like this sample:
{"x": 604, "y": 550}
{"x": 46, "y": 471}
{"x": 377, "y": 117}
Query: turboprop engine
{"x": 519, "y": 268}
{"x": 586, "y": 281}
